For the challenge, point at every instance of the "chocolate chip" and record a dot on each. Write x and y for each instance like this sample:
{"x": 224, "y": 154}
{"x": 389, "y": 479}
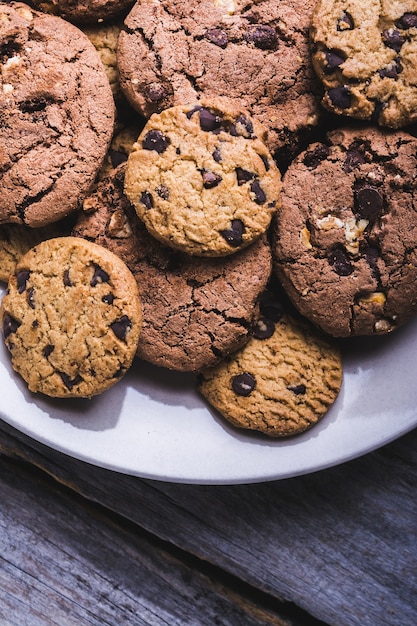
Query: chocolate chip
{"x": 265, "y": 162}
{"x": 209, "y": 121}
{"x": 313, "y": 158}
{"x": 121, "y": 327}
{"x": 66, "y": 279}
{"x": 340, "y": 97}
{"x": 378, "y": 108}
{"x": 29, "y": 297}
{"x": 243, "y": 384}
{"x": 260, "y": 196}
{"x": 264, "y": 328}
{"x": 10, "y": 325}
{"x": 371, "y": 255}
{"x": 217, "y": 155}
{"x": 217, "y": 36}
{"x": 108, "y": 298}
{"x": 21, "y": 280}
{"x": 297, "y": 389}
{"x": 355, "y": 156}
{"x": 70, "y": 382}
{"x": 162, "y": 191}
{"x": 243, "y": 176}
{"x": 408, "y": 20}
{"x": 35, "y": 324}
{"x": 155, "y": 140}
{"x": 243, "y": 127}
{"x": 146, "y": 199}
{"x": 210, "y": 179}
{"x": 155, "y": 92}
{"x": 392, "y": 69}
{"x": 99, "y": 276}
{"x": 368, "y": 203}
{"x": 333, "y": 60}
{"x": 234, "y": 234}
{"x": 117, "y": 157}
{"x": 340, "y": 262}
{"x": 262, "y": 36}
{"x": 393, "y": 39}
{"x": 345, "y": 22}
{"x": 47, "y": 350}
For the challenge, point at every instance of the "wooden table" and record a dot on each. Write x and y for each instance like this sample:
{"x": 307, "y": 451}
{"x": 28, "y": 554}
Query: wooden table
{"x": 80, "y": 545}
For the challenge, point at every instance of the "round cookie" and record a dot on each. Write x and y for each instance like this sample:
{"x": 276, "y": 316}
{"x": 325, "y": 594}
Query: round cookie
{"x": 345, "y": 239}
{"x": 195, "y": 310}
{"x": 255, "y": 53}
{"x": 84, "y": 11}
{"x": 366, "y": 57}
{"x": 57, "y": 114}
{"x": 281, "y": 383}
{"x": 71, "y": 318}
{"x": 202, "y": 179}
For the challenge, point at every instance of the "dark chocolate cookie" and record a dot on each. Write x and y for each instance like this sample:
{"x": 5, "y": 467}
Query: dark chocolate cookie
{"x": 56, "y": 116}
{"x": 84, "y": 11}
{"x": 345, "y": 239}
{"x": 195, "y": 310}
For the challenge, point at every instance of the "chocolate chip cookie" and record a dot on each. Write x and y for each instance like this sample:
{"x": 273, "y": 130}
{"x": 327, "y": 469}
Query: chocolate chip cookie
{"x": 255, "y": 53}
{"x": 202, "y": 179}
{"x": 366, "y": 56}
{"x": 57, "y": 115}
{"x": 345, "y": 239}
{"x": 282, "y": 382}
{"x": 84, "y": 11}
{"x": 71, "y": 318}
{"x": 195, "y": 310}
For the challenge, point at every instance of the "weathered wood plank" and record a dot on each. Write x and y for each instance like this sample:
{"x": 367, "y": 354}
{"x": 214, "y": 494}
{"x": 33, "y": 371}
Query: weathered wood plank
{"x": 62, "y": 563}
{"x": 341, "y": 544}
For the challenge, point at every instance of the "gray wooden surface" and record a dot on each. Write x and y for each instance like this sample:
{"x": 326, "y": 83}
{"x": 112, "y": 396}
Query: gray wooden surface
{"x": 83, "y": 545}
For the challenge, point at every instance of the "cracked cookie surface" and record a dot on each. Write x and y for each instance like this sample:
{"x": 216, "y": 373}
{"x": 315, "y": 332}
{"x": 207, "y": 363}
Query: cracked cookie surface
{"x": 195, "y": 310}
{"x": 345, "y": 239}
{"x": 366, "y": 57}
{"x": 202, "y": 179}
{"x": 71, "y": 318}
{"x": 282, "y": 382}
{"x": 255, "y": 53}
{"x": 56, "y": 116}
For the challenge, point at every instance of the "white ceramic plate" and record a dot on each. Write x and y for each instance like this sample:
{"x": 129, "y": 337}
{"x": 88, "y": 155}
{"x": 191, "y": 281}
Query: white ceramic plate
{"x": 154, "y": 424}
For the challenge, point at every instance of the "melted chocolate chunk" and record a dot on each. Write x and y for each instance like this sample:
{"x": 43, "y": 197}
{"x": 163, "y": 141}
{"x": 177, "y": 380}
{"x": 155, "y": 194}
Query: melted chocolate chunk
{"x": 217, "y": 36}
{"x": 333, "y": 60}
{"x": 262, "y": 36}
{"x": 392, "y": 70}
{"x": 345, "y": 22}
{"x": 217, "y": 155}
{"x": 369, "y": 202}
{"x": 99, "y": 276}
{"x": 355, "y": 156}
{"x": 47, "y": 350}
{"x": 108, "y": 298}
{"x": 392, "y": 38}
{"x": 121, "y": 327}
{"x": 21, "y": 280}
{"x": 340, "y": 97}
{"x": 243, "y": 384}
{"x": 297, "y": 389}
{"x": 209, "y": 121}
{"x": 340, "y": 262}
{"x": 408, "y": 20}
{"x": 210, "y": 179}
{"x": 313, "y": 158}
{"x": 234, "y": 234}
{"x": 146, "y": 199}
{"x": 66, "y": 279}
{"x": 264, "y": 328}
{"x": 260, "y": 196}
{"x": 243, "y": 176}
{"x": 162, "y": 191}
{"x": 70, "y": 382}
{"x": 155, "y": 140}
{"x": 30, "y": 297}
{"x": 372, "y": 255}
{"x": 243, "y": 127}
{"x": 379, "y": 107}
{"x": 265, "y": 162}
{"x": 10, "y": 325}
{"x": 155, "y": 92}
{"x": 117, "y": 157}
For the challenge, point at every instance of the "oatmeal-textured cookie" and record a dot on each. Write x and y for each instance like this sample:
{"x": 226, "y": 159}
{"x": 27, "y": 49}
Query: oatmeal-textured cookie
{"x": 85, "y": 11}
{"x": 17, "y": 239}
{"x": 71, "y": 318}
{"x": 256, "y": 53}
{"x": 195, "y": 310}
{"x": 202, "y": 179}
{"x": 56, "y": 113}
{"x": 366, "y": 56}
{"x": 281, "y": 382}
{"x": 345, "y": 240}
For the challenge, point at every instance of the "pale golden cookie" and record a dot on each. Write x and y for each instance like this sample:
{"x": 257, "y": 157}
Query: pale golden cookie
{"x": 71, "y": 318}
{"x": 202, "y": 179}
{"x": 281, "y": 383}
{"x": 366, "y": 56}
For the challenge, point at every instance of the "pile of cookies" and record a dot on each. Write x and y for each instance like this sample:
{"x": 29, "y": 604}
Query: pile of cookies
{"x": 166, "y": 169}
